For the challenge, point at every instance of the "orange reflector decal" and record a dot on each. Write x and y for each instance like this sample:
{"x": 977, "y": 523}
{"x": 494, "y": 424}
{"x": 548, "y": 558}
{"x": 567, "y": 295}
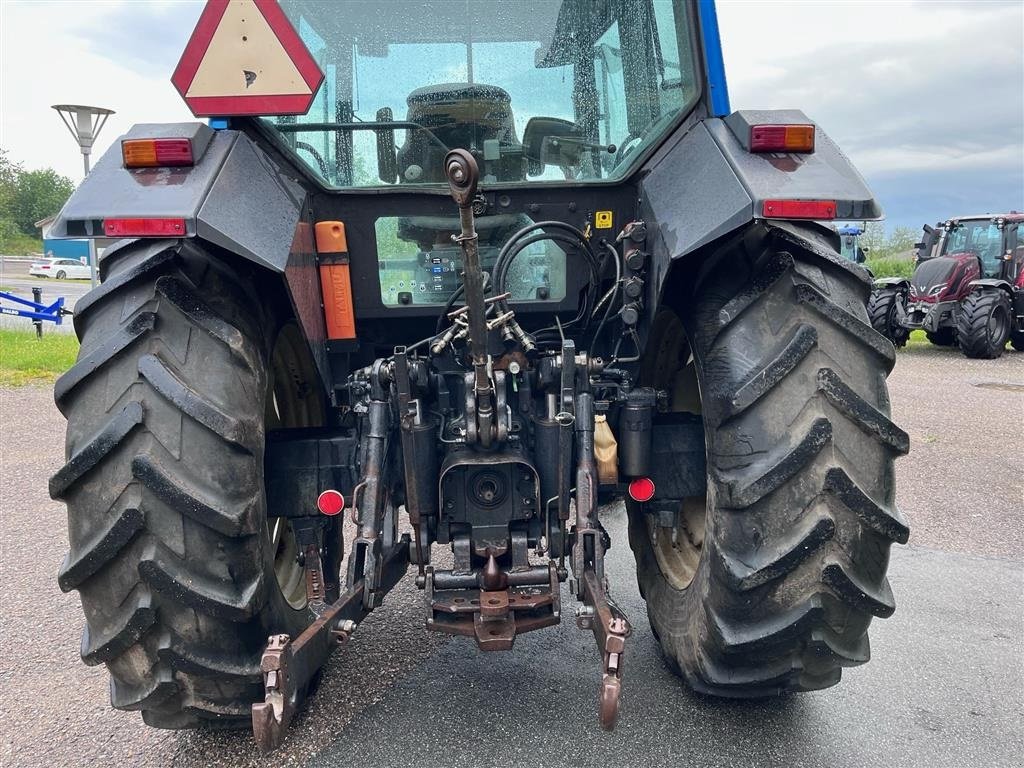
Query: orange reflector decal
{"x": 799, "y": 209}
{"x": 330, "y": 237}
{"x": 336, "y": 283}
{"x": 335, "y": 279}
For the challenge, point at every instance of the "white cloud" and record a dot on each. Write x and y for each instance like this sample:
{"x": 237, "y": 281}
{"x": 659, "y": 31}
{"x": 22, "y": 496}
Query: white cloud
{"x": 46, "y": 58}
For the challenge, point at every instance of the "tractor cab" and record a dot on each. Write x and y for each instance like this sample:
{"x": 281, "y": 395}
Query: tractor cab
{"x": 539, "y": 93}
{"x": 536, "y": 91}
{"x": 983, "y": 239}
{"x": 849, "y": 237}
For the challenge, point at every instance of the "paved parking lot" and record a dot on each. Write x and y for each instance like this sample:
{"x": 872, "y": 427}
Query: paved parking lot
{"x": 945, "y": 687}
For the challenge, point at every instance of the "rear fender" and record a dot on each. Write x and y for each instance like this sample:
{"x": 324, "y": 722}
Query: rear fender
{"x": 234, "y": 197}
{"x": 706, "y": 186}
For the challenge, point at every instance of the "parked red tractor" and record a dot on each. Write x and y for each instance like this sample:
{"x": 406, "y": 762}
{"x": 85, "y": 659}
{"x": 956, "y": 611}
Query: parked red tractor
{"x": 967, "y": 288}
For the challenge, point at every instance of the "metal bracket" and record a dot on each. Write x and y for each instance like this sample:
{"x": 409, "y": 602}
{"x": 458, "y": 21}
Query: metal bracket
{"x": 611, "y": 628}
{"x": 289, "y": 665}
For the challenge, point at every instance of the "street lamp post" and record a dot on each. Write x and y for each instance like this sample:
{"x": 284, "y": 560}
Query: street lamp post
{"x": 85, "y": 124}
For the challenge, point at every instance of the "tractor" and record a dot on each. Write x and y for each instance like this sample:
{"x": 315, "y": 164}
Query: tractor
{"x": 967, "y": 289}
{"x": 449, "y": 271}
{"x": 849, "y": 238}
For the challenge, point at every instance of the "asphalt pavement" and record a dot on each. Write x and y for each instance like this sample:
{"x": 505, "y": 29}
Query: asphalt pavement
{"x": 945, "y": 686}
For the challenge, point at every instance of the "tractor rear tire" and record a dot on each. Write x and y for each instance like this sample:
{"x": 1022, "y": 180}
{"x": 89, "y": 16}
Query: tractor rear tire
{"x": 170, "y": 548}
{"x": 768, "y": 584}
{"x": 984, "y": 325}
{"x": 944, "y": 337}
{"x": 882, "y": 314}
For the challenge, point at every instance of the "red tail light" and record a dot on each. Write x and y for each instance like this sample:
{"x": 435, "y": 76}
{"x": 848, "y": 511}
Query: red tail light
{"x": 782, "y": 138}
{"x": 799, "y": 209}
{"x": 155, "y": 153}
{"x": 144, "y": 227}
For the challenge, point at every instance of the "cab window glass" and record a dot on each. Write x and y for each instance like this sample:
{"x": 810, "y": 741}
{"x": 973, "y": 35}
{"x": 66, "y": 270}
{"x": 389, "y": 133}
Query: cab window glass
{"x": 538, "y": 90}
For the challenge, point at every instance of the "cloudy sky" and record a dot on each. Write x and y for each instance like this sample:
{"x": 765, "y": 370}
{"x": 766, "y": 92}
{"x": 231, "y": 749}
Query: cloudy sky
{"x": 927, "y": 98}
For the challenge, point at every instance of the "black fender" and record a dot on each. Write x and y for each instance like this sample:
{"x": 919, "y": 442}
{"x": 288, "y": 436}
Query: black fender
{"x": 897, "y": 283}
{"x": 705, "y": 187}
{"x": 991, "y": 284}
{"x": 702, "y": 186}
{"x": 234, "y": 196}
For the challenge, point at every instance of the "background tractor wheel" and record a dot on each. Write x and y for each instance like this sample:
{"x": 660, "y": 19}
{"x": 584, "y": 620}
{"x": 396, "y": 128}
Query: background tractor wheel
{"x": 181, "y": 573}
{"x": 944, "y": 337}
{"x": 769, "y": 582}
{"x": 984, "y": 325}
{"x": 882, "y": 315}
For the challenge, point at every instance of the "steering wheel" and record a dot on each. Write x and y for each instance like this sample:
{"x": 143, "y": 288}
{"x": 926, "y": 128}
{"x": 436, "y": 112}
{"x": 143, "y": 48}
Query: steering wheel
{"x": 627, "y": 146}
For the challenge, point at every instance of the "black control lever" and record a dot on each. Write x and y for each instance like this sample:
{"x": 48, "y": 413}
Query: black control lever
{"x": 463, "y": 175}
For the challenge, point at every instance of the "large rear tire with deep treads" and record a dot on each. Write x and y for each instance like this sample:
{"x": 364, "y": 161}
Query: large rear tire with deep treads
{"x": 767, "y": 584}
{"x": 984, "y": 324}
{"x": 182, "y": 577}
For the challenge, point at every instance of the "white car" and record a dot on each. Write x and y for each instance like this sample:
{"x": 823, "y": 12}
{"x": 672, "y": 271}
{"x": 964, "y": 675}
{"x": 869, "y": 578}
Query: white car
{"x": 60, "y": 269}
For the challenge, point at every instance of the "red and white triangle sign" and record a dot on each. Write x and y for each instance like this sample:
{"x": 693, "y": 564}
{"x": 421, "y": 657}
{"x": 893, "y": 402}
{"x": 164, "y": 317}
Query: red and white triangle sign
{"x": 245, "y": 58}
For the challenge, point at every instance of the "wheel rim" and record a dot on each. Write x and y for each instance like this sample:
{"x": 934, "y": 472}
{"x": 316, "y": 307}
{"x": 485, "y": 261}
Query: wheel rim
{"x": 677, "y": 542}
{"x": 291, "y": 403}
{"x": 678, "y": 548}
{"x": 290, "y": 575}
{"x": 997, "y": 325}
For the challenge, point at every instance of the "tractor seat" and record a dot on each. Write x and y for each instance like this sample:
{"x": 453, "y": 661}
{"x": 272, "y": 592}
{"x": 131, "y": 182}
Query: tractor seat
{"x": 459, "y": 115}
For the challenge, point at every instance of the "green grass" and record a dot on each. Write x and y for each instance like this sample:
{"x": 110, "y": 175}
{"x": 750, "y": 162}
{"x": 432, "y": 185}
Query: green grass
{"x": 24, "y": 359}
{"x": 918, "y": 339}
{"x": 891, "y": 267}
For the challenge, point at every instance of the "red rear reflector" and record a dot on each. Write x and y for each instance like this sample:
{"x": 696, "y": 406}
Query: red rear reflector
{"x": 153, "y": 153}
{"x": 782, "y": 138}
{"x": 641, "y": 489}
{"x": 799, "y": 209}
{"x": 330, "y": 502}
{"x": 144, "y": 227}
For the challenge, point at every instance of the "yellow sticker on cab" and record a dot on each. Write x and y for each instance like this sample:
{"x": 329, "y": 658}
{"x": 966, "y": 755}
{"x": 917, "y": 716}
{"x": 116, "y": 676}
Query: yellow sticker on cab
{"x": 603, "y": 220}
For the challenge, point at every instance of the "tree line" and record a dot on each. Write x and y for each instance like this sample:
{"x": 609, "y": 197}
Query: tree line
{"x": 25, "y": 198}
{"x": 878, "y": 245}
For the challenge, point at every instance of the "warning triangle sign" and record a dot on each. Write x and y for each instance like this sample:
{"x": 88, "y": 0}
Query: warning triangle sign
{"x": 245, "y": 58}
